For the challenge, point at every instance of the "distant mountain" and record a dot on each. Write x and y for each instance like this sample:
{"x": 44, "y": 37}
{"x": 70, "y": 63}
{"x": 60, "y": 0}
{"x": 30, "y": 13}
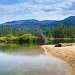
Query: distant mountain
{"x": 19, "y": 22}
{"x": 70, "y": 19}
{"x": 31, "y": 24}
{"x": 30, "y": 21}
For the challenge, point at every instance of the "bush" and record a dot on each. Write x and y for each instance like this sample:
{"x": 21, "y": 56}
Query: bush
{"x": 2, "y": 39}
{"x": 27, "y": 38}
{"x": 11, "y": 38}
{"x": 9, "y": 35}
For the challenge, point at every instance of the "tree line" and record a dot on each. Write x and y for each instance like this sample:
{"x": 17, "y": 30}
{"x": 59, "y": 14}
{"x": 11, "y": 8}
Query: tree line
{"x": 55, "y": 32}
{"x": 60, "y": 32}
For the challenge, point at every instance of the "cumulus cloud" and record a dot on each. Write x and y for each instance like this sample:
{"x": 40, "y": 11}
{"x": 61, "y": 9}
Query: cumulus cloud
{"x": 37, "y": 9}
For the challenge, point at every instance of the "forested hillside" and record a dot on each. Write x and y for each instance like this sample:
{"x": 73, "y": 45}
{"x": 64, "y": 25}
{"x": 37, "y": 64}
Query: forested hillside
{"x": 51, "y": 28}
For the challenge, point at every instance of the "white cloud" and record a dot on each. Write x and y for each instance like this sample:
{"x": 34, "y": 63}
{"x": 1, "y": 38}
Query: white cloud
{"x": 37, "y": 9}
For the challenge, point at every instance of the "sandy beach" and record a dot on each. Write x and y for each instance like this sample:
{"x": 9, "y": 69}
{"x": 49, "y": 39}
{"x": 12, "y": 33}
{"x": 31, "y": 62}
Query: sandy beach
{"x": 65, "y": 53}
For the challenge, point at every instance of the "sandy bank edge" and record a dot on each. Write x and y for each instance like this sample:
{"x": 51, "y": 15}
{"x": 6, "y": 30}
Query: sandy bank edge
{"x": 65, "y": 53}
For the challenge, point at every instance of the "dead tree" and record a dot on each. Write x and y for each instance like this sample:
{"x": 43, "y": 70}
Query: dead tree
{"x": 41, "y": 37}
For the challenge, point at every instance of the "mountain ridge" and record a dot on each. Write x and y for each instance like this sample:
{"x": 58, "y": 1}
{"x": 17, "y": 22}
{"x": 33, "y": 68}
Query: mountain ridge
{"x": 46, "y": 24}
{"x": 34, "y": 21}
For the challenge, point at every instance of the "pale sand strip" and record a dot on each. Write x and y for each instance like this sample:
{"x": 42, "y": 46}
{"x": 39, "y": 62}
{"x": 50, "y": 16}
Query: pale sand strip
{"x": 65, "y": 53}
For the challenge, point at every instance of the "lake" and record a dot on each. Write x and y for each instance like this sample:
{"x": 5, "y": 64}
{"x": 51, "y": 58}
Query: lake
{"x": 29, "y": 59}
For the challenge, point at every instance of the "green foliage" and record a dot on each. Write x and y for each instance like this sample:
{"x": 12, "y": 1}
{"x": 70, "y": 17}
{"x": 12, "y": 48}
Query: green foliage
{"x": 11, "y": 38}
{"x": 5, "y": 30}
{"x": 61, "y": 32}
{"x": 25, "y": 33}
{"x": 27, "y": 38}
{"x": 2, "y": 39}
{"x": 10, "y": 35}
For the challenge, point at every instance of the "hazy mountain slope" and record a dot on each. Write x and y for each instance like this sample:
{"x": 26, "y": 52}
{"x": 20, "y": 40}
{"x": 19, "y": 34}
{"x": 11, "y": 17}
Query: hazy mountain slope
{"x": 31, "y": 24}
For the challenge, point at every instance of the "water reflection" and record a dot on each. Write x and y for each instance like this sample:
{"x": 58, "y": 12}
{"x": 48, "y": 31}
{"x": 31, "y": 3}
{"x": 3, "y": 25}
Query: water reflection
{"x": 30, "y": 65}
{"x": 26, "y": 59}
{"x": 19, "y": 49}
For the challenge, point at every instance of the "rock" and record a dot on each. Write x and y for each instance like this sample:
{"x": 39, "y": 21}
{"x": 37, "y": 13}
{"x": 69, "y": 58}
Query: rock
{"x": 63, "y": 44}
{"x": 60, "y": 45}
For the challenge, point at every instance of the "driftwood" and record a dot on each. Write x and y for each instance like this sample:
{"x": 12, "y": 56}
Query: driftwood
{"x": 64, "y": 44}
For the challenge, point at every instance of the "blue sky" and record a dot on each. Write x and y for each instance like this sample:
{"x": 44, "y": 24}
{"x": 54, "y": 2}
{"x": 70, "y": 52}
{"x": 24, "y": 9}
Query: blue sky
{"x": 36, "y": 9}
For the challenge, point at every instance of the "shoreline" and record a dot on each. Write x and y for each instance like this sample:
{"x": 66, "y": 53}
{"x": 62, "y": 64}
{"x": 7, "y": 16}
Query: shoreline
{"x": 66, "y": 54}
{"x": 60, "y": 38}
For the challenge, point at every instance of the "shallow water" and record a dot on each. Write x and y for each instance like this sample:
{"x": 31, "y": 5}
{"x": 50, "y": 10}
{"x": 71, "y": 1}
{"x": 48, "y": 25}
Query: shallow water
{"x": 29, "y": 60}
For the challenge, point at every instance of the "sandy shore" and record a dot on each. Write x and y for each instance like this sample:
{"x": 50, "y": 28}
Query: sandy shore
{"x": 65, "y": 53}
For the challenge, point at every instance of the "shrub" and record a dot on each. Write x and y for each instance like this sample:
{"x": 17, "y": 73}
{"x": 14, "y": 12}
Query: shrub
{"x": 11, "y": 38}
{"x": 2, "y": 39}
{"x": 27, "y": 38}
{"x": 9, "y": 35}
